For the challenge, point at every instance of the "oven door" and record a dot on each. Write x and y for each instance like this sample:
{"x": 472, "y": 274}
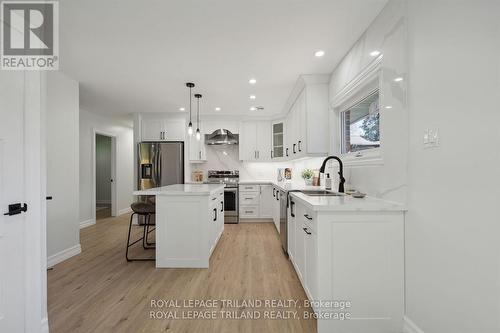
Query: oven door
{"x": 231, "y": 205}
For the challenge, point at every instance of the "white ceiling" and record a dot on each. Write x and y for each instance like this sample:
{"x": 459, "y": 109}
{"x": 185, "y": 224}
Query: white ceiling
{"x": 135, "y": 56}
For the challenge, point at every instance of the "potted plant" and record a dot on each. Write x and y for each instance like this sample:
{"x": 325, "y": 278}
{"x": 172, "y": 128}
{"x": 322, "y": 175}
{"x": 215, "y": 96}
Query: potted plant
{"x": 308, "y": 174}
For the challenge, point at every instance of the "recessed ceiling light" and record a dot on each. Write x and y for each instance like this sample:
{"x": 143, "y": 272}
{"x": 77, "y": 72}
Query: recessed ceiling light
{"x": 319, "y": 53}
{"x": 388, "y": 107}
{"x": 182, "y": 109}
{"x": 398, "y": 79}
{"x": 217, "y": 109}
{"x": 253, "y": 108}
{"x": 253, "y": 97}
{"x": 374, "y": 53}
{"x": 252, "y": 81}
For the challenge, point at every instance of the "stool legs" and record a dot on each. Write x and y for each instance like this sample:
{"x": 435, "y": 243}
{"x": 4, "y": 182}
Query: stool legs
{"x": 142, "y": 238}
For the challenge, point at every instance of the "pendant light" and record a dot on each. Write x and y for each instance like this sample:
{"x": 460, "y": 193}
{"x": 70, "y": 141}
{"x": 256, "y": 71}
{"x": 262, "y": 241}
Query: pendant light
{"x": 198, "y": 133}
{"x": 190, "y": 85}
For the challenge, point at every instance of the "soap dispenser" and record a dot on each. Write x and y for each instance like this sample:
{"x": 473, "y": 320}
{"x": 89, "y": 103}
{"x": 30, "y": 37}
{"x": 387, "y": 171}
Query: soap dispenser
{"x": 328, "y": 182}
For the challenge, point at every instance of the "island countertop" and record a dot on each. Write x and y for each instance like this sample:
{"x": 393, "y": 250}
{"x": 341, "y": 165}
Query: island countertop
{"x": 182, "y": 189}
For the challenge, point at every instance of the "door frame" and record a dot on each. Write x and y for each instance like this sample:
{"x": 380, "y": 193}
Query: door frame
{"x": 114, "y": 206}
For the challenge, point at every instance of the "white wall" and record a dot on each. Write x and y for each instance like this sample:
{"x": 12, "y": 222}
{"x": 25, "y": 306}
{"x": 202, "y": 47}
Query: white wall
{"x": 124, "y": 170}
{"x": 447, "y": 51}
{"x": 103, "y": 169}
{"x": 452, "y": 225}
{"x": 386, "y": 34}
{"x": 62, "y": 163}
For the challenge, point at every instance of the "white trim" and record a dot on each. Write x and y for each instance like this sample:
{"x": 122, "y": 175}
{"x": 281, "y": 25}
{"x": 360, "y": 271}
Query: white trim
{"x": 124, "y": 211}
{"x": 114, "y": 150}
{"x": 88, "y": 223}
{"x": 368, "y": 157}
{"x": 63, "y": 255}
{"x": 369, "y": 73}
{"x": 44, "y": 326}
{"x": 410, "y": 327}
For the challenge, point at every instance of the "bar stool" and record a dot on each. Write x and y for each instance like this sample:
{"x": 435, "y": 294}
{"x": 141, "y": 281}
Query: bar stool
{"x": 141, "y": 209}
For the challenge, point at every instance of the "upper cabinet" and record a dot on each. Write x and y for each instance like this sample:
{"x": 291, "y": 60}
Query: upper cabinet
{"x": 163, "y": 129}
{"x": 278, "y": 139}
{"x": 255, "y": 141}
{"x": 197, "y": 151}
{"x": 307, "y": 123}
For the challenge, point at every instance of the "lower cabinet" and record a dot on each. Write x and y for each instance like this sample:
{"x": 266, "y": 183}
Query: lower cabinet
{"x": 216, "y": 220}
{"x": 275, "y": 202}
{"x": 255, "y": 201}
{"x": 350, "y": 256}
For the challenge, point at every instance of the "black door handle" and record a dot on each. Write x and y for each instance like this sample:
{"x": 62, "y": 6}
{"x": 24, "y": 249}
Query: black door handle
{"x": 215, "y": 214}
{"x": 300, "y": 145}
{"x": 307, "y": 232}
{"x": 48, "y": 198}
{"x": 287, "y": 152}
{"x": 294, "y": 145}
{"x": 291, "y": 208}
{"x": 16, "y": 208}
{"x": 222, "y": 206}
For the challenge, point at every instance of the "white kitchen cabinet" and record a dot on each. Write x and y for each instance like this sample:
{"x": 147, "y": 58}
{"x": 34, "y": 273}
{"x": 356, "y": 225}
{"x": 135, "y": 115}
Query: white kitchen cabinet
{"x": 356, "y": 256}
{"x": 276, "y": 207}
{"x": 163, "y": 129}
{"x": 291, "y": 219}
{"x": 197, "y": 151}
{"x": 255, "y": 141}
{"x": 278, "y": 143}
{"x": 216, "y": 220}
{"x": 307, "y": 126}
{"x": 256, "y": 201}
{"x": 266, "y": 201}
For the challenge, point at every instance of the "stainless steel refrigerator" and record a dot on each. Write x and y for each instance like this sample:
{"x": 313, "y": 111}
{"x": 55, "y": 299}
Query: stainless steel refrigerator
{"x": 160, "y": 164}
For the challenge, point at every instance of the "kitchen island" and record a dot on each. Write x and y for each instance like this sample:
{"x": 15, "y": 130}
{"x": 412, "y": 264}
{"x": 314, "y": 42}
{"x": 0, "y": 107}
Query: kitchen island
{"x": 189, "y": 223}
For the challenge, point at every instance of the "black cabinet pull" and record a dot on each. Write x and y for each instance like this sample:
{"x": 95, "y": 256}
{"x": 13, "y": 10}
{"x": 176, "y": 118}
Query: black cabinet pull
{"x": 287, "y": 152}
{"x": 300, "y": 146}
{"x": 48, "y": 198}
{"x": 215, "y": 214}
{"x": 294, "y": 145}
{"x": 274, "y": 192}
{"x": 222, "y": 206}
{"x": 305, "y": 230}
{"x": 308, "y": 217}
{"x": 291, "y": 208}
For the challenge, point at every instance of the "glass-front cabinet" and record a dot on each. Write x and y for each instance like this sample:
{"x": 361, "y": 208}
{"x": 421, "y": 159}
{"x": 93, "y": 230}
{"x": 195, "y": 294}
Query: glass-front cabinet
{"x": 278, "y": 139}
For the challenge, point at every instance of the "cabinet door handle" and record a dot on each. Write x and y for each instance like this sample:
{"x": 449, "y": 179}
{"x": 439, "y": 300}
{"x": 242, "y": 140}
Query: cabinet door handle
{"x": 215, "y": 214}
{"x": 258, "y": 154}
{"x": 306, "y": 231}
{"x": 294, "y": 145}
{"x": 222, "y": 206}
{"x": 161, "y": 135}
{"x": 274, "y": 192}
{"x": 308, "y": 217}
{"x": 300, "y": 146}
{"x": 291, "y": 208}
{"x": 287, "y": 152}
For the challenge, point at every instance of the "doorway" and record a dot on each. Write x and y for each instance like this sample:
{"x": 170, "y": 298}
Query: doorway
{"x": 104, "y": 163}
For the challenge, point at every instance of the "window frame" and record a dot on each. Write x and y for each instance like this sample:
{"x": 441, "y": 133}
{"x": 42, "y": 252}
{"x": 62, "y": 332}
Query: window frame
{"x": 360, "y": 87}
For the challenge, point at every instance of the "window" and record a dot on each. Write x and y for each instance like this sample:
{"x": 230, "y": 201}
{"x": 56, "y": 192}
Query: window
{"x": 360, "y": 125}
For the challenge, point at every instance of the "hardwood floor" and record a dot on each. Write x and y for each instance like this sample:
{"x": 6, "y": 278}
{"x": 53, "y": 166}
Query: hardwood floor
{"x": 99, "y": 291}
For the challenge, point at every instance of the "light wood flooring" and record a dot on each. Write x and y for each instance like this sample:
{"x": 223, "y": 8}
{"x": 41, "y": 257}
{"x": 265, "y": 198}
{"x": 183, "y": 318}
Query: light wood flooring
{"x": 99, "y": 291}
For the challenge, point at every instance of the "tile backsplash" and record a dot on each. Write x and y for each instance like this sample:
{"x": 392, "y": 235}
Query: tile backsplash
{"x": 227, "y": 158}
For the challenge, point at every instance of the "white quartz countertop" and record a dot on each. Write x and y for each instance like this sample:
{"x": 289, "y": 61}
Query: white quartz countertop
{"x": 182, "y": 189}
{"x": 346, "y": 203}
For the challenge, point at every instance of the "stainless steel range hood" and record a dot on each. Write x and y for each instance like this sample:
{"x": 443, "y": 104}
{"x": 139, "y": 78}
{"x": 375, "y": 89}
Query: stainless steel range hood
{"x": 221, "y": 137}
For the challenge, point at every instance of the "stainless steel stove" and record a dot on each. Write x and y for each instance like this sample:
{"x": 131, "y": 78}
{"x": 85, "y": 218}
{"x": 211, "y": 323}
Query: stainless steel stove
{"x": 230, "y": 179}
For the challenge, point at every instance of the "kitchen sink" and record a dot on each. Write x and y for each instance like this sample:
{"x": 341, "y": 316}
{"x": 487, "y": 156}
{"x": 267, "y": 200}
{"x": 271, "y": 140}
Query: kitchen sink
{"x": 321, "y": 193}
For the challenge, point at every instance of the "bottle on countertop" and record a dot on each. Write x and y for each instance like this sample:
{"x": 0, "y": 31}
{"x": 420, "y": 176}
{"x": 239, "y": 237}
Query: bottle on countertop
{"x": 328, "y": 182}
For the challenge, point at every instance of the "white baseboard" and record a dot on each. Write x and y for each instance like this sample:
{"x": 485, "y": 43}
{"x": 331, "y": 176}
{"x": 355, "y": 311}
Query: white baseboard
{"x": 87, "y": 223}
{"x": 124, "y": 211}
{"x": 410, "y": 327}
{"x": 63, "y": 255}
{"x": 256, "y": 220}
{"x": 44, "y": 327}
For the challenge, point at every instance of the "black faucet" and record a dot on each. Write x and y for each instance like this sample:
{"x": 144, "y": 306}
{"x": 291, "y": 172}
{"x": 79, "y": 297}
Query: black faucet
{"x": 341, "y": 171}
